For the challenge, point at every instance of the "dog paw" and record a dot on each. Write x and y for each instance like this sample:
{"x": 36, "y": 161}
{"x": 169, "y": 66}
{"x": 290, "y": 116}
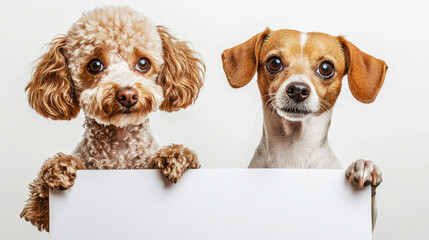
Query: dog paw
{"x": 364, "y": 173}
{"x": 174, "y": 160}
{"x": 59, "y": 172}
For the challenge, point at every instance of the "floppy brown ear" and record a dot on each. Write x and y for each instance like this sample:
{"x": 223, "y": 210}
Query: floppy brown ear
{"x": 240, "y": 62}
{"x": 365, "y": 73}
{"x": 181, "y": 76}
{"x": 50, "y": 91}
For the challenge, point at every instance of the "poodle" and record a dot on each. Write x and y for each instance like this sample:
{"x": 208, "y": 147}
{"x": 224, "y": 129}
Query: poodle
{"x": 117, "y": 66}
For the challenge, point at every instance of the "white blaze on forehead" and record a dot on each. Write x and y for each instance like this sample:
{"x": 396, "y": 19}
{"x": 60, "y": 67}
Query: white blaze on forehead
{"x": 303, "y": 38}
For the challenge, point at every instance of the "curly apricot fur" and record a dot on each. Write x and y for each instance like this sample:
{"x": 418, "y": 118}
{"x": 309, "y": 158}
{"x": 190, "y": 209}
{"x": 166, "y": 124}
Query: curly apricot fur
{"x": 116, "y": 136}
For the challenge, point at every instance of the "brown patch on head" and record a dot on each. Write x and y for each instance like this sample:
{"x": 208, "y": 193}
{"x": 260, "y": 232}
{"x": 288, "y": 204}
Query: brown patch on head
{"x": 285, "y": 45}
{"x": 302, "y": 56}
{"x": 322, "y": 47}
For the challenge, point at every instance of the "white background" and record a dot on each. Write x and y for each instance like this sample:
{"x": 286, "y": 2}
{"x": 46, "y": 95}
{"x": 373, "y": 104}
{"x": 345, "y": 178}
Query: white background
{"x": 225, "y": 125}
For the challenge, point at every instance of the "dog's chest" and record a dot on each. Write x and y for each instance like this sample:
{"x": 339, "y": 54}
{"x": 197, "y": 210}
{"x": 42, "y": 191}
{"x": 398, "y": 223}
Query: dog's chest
{"x": 122, "y": 155}
{"x": 104, "y": 148}
{"x": 129, "y": 152}
{"x": 297, "y": 154}
{"x": 298, "y": 147}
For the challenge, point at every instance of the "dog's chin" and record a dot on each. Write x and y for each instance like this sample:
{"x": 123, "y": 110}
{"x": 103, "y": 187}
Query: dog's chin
{"x": 293, "y": 114}
{"x": 123, "y": 118}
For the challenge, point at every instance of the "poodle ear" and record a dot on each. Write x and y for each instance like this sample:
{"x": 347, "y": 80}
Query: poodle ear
{"x": 50, "y": 91}
{"x": 240, "y": 62}
{"x": 181, "y": 76}
{"x": 365, "y": 73}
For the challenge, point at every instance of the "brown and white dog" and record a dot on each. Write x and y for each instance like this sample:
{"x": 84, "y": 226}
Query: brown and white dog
{"x": 117, "y": 66}
{"x": 299, "y": 79}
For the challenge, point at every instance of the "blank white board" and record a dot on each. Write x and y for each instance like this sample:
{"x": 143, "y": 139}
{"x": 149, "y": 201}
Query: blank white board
{"x": 211, "y": 204}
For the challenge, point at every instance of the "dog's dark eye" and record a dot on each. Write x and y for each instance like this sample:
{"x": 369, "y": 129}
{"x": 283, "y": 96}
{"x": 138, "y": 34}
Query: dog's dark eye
{"x": 143, "y": 65}
{"x": 95, "y": 66}
{"x": 326, "y": 70}
{"x": 274, "y": 65}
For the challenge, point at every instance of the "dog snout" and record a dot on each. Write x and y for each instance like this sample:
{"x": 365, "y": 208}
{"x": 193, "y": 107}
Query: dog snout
{"x": 298, "y": 92}
{"x": 127, "y": 96}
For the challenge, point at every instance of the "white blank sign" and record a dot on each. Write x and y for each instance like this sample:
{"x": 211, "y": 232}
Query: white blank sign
{"x": 211, "y": 204}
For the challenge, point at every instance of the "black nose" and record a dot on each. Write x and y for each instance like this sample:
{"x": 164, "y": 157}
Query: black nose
{"x": 298, "y": 91}
{"x": 127, "y": 96}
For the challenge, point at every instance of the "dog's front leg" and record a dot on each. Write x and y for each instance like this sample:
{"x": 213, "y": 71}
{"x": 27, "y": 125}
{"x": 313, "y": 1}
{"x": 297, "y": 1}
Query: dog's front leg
{"x": 58, "y": 172}
{"x": 173, "y": 160}
{"x": 365, "y": 173}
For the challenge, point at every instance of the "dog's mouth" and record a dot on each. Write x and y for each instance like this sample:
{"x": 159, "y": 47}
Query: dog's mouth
{"x": 293, "y": 114}
{"x": 128, "y": 111}
{"x": 296, "y": 111}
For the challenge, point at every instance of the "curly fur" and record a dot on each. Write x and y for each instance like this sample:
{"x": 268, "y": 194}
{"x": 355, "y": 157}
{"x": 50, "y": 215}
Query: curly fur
{"x": 178, "y": 54}
{"x": 111, "y": 147}
{"x": 115, "y": 137}
{"x": 50, "y": 92}
{"x": 58, "y": 172}
{"x": 173, "y": 160}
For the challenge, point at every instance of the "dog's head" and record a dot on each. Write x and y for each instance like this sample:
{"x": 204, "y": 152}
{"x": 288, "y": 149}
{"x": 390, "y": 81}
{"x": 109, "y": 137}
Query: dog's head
{"x": 117, "y": 66}
{"x": 300, "y": 74}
